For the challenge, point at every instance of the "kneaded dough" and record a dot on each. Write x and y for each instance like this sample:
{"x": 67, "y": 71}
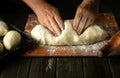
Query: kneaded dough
{"x": 3, "y": 28}
{"x": 12, "y": 39}
{"x": 68, "y": 36}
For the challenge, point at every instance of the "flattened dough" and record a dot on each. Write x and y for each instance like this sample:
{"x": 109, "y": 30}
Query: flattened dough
{"x": 68, "y": 36}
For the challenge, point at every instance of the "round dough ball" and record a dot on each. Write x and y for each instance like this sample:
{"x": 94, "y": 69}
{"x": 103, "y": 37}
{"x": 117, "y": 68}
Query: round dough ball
{"x": 68, "y": 36}
{"x": 1, "y": 47}
{"x": 3, "y": 28}
{"x": 12, "y": 39}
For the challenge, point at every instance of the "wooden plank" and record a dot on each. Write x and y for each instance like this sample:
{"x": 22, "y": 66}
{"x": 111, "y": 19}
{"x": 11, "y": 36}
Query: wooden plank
{"x": 17, "y": 69}
{"x": 105, "y": 19}
{"x": 69, "y": 68}
{"x": 96, "y": 68}
{"x": 23, "y": 69}
{"x": 10, "y": 72}
{"x": 114, "y": 64}
{"x": 42, "y": 68}
{"x": 7, "y": 69}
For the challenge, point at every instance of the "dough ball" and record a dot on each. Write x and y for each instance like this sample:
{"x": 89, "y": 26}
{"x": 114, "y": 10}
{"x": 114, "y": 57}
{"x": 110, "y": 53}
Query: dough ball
{"x": 12, "y": 39}
{"x": 68, "y": 36}
{"x": 1, "y": 47}
{"x": 3, "y": 28}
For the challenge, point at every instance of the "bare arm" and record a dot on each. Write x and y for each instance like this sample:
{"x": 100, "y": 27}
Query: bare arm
{"x": 34, "y": 4}
{"x": 47, "y": 15}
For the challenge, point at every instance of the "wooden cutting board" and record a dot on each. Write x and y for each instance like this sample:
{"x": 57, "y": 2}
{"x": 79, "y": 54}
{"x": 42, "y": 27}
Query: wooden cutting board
{"x": 104, "y": 19}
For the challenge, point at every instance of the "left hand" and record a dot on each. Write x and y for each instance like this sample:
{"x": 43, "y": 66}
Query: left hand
{"x": 85, "y": 15}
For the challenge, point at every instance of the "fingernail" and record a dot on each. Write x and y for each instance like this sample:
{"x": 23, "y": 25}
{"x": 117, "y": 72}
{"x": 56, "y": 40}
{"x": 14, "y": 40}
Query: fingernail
{"x": 74, "y": 27}
{"x": 58, "y": 34}
{"x": 62, "y": 27}
{"x": 78, "y": 32}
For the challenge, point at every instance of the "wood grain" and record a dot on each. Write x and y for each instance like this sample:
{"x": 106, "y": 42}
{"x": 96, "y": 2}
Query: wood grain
{"x": 94, "y": 67}
{"x": 72, "y": 68}
{"x": 103, "y": 20}
{"x": 42, "y": 68}
{"x": 114, "y": 64}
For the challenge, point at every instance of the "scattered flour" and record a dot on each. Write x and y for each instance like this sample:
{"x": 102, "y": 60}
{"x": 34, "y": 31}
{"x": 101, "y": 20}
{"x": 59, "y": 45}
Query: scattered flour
{"x": 50, "y": 64}
{"x": 86, "y": 48}
{"x": 94, "y": 48}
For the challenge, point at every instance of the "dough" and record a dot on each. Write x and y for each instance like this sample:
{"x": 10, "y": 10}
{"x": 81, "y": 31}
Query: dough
{"x": 68, "y": 36}
{"x": 3, "y": 28}
{"x": 12, "y": 39}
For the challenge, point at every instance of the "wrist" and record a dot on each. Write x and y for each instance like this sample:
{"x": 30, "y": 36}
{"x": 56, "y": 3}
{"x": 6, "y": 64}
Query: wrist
{"x": 92, "y": 5}
{"x": 91, "y": 1}
{"x": 34, "y": 4}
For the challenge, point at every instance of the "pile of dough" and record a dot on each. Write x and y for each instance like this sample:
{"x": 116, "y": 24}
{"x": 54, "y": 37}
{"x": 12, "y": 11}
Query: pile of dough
{"x": 68, "y": 36}
{"x": 12, "y": 39}
{"x": 3, "y": 28}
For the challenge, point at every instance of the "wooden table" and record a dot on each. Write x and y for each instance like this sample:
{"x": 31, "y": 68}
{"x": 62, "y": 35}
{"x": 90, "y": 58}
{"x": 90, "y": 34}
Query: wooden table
{"x": 57, "y": 67}
{"x": 62, "y": 68}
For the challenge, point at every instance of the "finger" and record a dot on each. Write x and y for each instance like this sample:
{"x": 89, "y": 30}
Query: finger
{"x": 54, "y": 25}
{"x": 82, "y": 25}
{"x": 76, "y": 21}
{"x": 89, "y": 22}
{"x": 48, "y": 25}
{"x": 59, "y": 21}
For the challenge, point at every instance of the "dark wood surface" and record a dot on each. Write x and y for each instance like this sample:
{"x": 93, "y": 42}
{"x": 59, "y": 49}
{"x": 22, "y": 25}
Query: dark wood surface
{"x": 57, "y": 67}
{"x": 61, "y": 68}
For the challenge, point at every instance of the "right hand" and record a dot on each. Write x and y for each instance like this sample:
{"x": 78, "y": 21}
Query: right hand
{"x": 49, "y": 17}
{"x": 85, "y": 15}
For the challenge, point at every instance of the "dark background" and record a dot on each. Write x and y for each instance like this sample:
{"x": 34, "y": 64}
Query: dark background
{"x": 16, "y": 12}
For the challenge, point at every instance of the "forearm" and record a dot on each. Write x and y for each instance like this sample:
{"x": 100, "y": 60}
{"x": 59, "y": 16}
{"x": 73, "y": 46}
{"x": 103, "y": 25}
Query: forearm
{"x": 33, "y": 4}
{"x": 91, "y": 1}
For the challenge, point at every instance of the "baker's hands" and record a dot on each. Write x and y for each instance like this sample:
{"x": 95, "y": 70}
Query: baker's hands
{"x": 85, "y": 15}
{"x": 49, "y": 17}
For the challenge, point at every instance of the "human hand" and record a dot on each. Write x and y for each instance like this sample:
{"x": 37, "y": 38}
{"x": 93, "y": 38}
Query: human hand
{"x": 49, "y": 17}
{"x": 85, "y": 15}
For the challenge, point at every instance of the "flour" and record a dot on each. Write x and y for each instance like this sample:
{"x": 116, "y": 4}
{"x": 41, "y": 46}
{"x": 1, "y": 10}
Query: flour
{"x": 90, "y": 48}
{"x": 86, "y": 48}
